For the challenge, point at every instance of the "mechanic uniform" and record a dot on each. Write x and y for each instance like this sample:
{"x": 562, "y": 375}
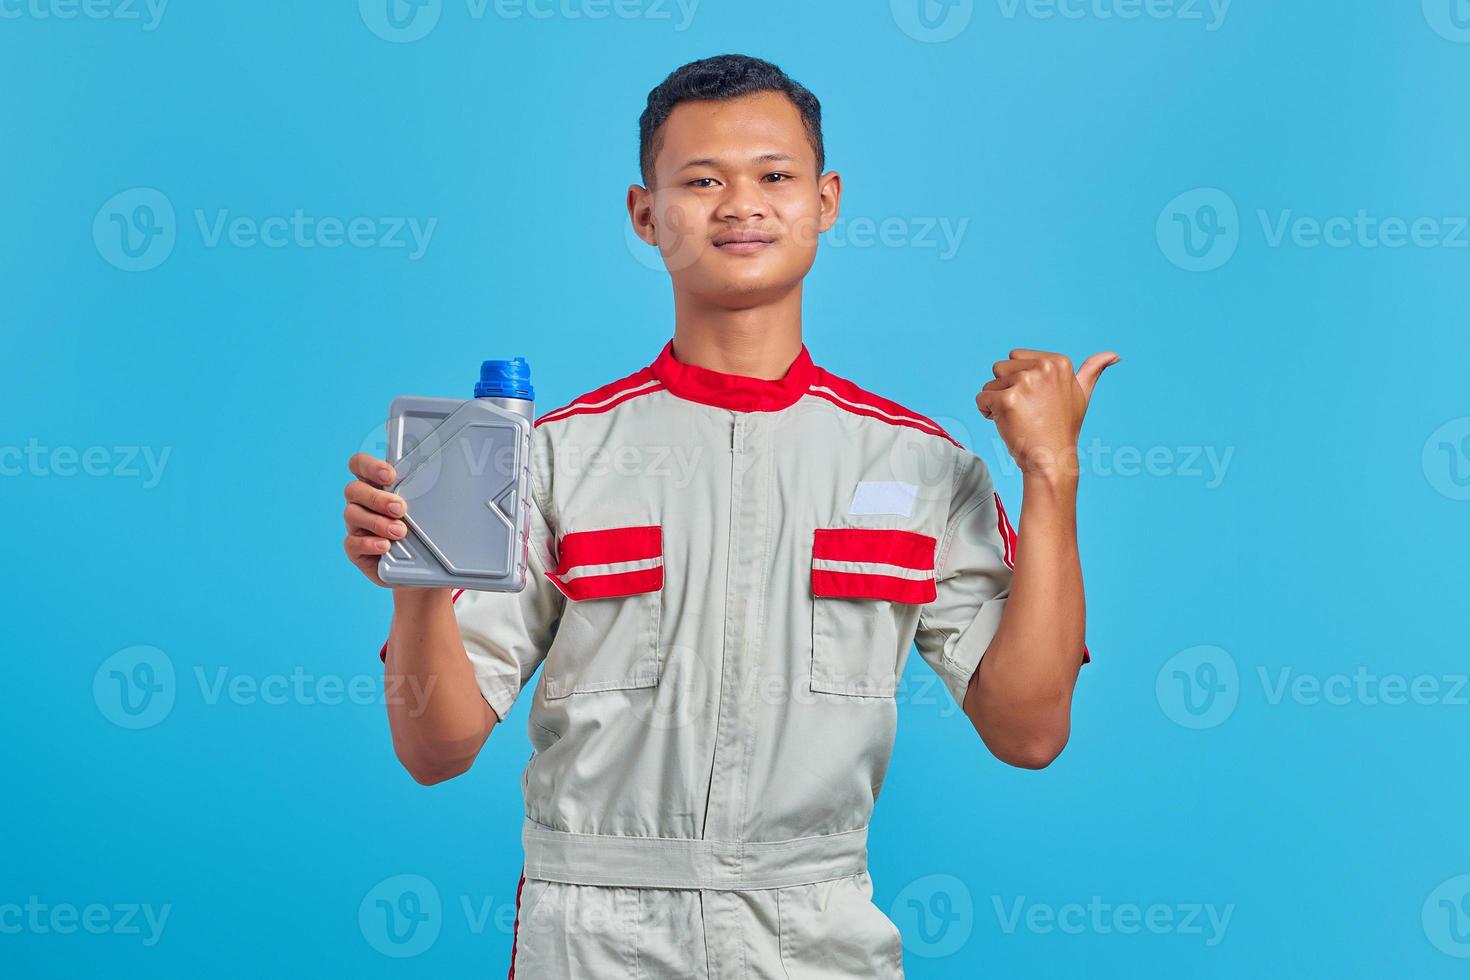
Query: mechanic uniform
{"x": 727, "y": 575}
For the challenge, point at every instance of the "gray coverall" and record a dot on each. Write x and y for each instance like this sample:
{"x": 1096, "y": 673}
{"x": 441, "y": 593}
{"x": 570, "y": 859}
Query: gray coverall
{"x": 727, "y": 575}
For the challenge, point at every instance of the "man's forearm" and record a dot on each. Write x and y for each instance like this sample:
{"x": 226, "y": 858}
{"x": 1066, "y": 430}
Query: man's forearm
{"x": 438, "y": 717}
{"x": 1020, "y": 697}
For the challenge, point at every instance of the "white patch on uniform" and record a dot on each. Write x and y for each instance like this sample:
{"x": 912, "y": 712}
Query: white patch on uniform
{"x": 884, "y": 497}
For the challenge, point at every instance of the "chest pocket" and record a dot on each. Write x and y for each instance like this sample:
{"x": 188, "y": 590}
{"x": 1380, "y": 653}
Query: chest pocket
{"x": 858, "y": 575}
{"x": 608, "y": 638}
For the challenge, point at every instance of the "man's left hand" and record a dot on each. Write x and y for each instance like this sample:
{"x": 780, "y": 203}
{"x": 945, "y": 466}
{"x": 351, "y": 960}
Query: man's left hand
{"x": 1037, "y": 404}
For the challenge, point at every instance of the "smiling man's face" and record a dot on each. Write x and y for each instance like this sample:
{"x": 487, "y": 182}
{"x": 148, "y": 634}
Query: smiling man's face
{"x": 737, "y": 202}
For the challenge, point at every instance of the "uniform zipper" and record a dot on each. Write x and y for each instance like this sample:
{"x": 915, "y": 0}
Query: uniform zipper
{"x": 736, "y": 430}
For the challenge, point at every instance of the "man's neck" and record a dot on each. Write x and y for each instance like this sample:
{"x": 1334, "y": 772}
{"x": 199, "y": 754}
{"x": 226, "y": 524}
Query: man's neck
{"x": 759, "y": 342}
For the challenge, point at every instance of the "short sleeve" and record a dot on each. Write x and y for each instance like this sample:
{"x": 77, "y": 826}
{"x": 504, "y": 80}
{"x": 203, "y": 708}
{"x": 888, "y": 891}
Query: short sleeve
{"x": 972, "y": 573}
{"x": 507, "y": 634}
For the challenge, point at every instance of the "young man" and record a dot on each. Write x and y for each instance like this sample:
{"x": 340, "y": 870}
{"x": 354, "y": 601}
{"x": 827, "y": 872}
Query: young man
{"x": 732, "y": 551}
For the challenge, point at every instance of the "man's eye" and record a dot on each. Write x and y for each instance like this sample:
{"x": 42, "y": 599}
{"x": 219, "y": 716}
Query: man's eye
{"x": 701, "y": 182}
{"x": 781, "y": 175}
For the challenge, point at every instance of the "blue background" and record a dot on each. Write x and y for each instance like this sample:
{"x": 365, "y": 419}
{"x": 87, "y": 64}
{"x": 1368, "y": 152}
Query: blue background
{"x": 1334, "y": 540}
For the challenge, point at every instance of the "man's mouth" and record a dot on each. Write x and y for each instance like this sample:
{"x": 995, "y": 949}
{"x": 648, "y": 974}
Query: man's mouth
{"x": 741, "y": 243}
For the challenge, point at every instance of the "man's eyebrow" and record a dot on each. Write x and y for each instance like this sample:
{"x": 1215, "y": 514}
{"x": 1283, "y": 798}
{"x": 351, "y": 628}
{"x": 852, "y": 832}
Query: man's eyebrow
{"x": 712, "y": 162}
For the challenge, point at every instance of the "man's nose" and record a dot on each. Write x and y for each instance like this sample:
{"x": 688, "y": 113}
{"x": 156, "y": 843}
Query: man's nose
{"x": 743, "y": 201}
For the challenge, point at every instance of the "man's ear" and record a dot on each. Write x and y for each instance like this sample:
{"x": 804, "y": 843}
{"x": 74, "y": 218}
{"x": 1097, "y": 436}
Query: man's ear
{"x": 829, "y": 187}
{"x": 640, "y": 212}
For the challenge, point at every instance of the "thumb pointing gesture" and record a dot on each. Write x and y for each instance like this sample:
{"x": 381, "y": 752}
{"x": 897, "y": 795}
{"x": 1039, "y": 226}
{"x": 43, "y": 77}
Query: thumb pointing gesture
{"x": 1092, "y": 369}
{"x": 1037, "y": 403}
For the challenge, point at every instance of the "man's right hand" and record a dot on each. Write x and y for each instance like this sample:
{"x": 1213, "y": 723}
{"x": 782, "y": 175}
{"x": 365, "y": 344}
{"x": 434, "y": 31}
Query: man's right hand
{"x": 373, "y": 515}
{"x": 436, "y": 738}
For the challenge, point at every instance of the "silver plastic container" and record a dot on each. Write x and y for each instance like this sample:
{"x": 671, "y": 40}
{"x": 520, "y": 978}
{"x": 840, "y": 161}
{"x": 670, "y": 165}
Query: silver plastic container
{"x": 464, "y": 467}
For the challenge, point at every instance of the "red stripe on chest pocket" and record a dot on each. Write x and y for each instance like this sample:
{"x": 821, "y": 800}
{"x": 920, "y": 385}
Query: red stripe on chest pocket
{"x": 873, "y": 563}
{"x": 608, "y": 562}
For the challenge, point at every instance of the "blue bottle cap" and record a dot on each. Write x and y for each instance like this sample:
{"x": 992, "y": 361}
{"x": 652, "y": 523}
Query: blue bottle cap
{"x": 505, "y": 379}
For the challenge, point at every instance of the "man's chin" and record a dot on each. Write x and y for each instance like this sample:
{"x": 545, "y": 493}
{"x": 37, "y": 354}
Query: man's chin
{"x": 753, "y": 282}
{"x": 742, "y": 292}
{"x": 724, "y": 276}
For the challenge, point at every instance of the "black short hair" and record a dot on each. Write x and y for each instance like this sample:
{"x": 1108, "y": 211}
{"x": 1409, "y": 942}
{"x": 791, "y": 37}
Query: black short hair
{"x": 725, "y": 76}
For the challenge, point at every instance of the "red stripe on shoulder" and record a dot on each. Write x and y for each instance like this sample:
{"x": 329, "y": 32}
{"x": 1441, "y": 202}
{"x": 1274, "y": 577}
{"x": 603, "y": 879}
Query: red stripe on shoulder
{"x": 609, "y": 396}
{"x": 860, "y": 401}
